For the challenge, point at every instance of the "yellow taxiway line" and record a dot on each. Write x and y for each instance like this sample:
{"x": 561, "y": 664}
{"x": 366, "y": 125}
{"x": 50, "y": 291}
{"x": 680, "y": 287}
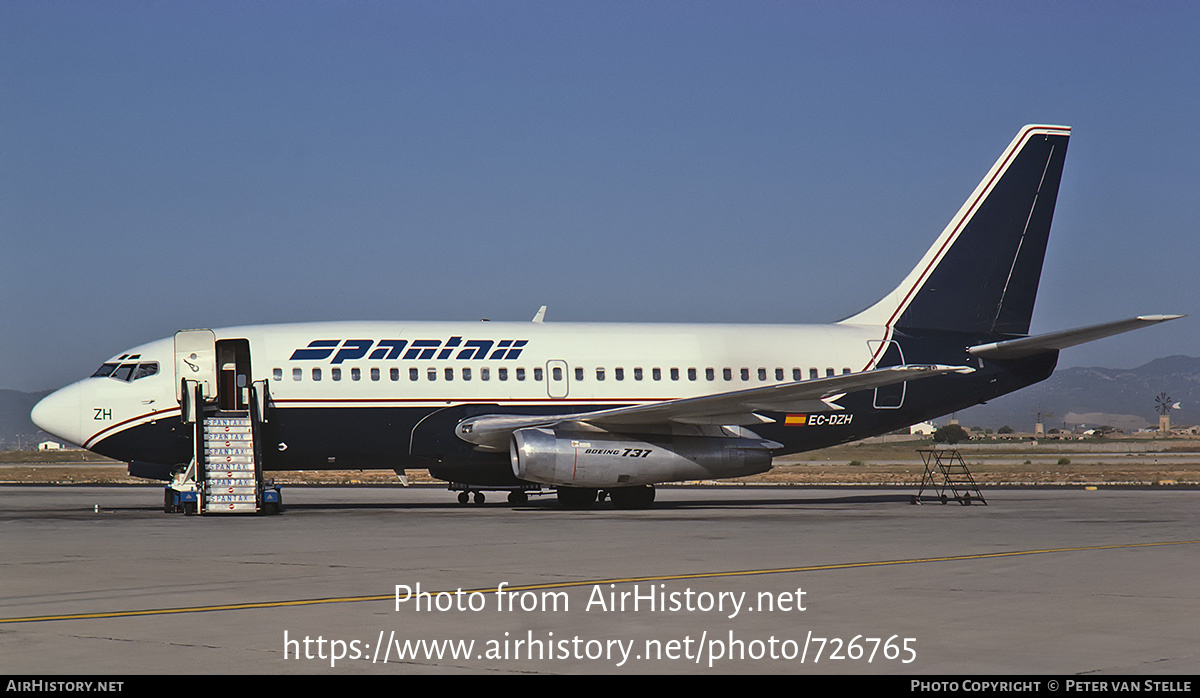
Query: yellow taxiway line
{"x": 589, "y": 582}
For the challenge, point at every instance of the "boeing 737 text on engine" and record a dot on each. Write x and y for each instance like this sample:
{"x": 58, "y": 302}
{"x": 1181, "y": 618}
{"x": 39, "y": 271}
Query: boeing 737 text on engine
{"x": 588, "y": 408}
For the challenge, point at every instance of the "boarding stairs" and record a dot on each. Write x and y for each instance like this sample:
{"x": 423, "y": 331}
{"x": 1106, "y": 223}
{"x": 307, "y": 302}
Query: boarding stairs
{"x": 947, "y": 477}
{"x": 225, "y": 475}
{"x": 231, "y": 477}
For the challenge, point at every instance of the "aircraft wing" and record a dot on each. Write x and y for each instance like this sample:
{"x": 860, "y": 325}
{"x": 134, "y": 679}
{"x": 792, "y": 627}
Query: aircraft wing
{"x": 1036, "y": 344}
{"x": 740, "y": 407}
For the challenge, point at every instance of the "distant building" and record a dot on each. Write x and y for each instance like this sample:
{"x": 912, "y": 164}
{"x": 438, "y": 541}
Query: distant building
{"x": 924, "y": 428}
{"x": 49, "y": 446}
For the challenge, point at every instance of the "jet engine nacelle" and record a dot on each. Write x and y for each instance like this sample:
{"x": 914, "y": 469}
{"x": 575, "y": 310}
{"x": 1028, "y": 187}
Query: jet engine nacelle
{"x": 599, "y": 459}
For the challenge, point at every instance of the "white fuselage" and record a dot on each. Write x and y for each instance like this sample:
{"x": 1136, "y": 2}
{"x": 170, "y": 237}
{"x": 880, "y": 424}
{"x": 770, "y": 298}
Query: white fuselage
{"x": 559, "y": 363}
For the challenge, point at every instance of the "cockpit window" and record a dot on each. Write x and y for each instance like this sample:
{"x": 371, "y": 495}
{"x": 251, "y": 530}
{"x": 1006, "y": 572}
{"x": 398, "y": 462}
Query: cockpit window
{"x": 127, "y": 371}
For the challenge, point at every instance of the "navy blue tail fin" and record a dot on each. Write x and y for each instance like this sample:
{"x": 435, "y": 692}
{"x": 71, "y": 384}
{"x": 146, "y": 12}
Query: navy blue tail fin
{"x": 981, "y": 275}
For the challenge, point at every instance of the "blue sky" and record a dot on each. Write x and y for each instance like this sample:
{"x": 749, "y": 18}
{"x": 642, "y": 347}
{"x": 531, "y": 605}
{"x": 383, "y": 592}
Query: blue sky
{"x": 169, "y": 165}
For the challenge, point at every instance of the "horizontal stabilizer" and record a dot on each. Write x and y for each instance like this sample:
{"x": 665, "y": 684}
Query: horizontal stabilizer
{"x": 1028, "y": 346}
{"x": 739, "y": 407}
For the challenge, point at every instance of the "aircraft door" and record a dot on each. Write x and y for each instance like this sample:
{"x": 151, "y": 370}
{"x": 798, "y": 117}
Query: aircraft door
{"x": 196, "y": 361}
{"x": 233, "y": 361}
{"x": 556, "y": 378}
{"x": 888, "y": 397}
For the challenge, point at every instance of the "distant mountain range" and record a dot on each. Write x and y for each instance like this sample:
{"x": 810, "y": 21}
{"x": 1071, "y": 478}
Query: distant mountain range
{"x": 1119, "y": 397}
{"x": 14, "y": 419}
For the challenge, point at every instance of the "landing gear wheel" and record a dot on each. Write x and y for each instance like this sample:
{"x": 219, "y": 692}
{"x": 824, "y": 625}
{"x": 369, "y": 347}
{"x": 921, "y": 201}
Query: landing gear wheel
{"x": 518, "y": 497}
{"x": 189, "y": 508}
{"x": 168, "y": 502}
{"x": 945, "y": 499}
{"x": 632, "y": 497}
{"x": 576, "y": 497}
{"x": 464, "y": 498}
{"x": 479, "y": 498}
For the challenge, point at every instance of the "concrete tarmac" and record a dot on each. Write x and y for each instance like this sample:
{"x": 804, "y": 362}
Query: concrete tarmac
{"x": 711, "y": 580}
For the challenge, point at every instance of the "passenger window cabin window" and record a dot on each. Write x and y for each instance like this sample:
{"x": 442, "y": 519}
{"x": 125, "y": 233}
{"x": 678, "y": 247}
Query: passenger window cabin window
{"x": 762, "y": 374}
{"x": 520, "y": 374}
{"x": 316, "y": 374}
{"x": 297, "y": 373}
{"x": 356, "y": 374}
{"x": 537, "y": 373}
{"x": 431, "y": 374}
{"x": 449, "y": 374}
{"x": 277, "y": 374}
{"x": 846, "y": 371}
{"x": 394, "y": 374}
{"x": 637, "y": 374}
{"x": 779, "y": 374}
{"x": 619, "y": 374}
{"x": 727, "y": 374}
{"x": 674, "y": 374}
{"x": 502, "y": 374}
{"x": 578, "y": 373}
{"x": 485, "y": 374}
{"x": 558, "y": 374}
{"x": 710, "y": 374}
{"x": 829, "y": 373}
{"x": 745, "y": 374}
{"x": 656, "y": 374}
{"x": 466, "y": 374}
{"x": 414, "y": 374}
{"x": 813, "y": 374}
{"x": 599, "y": 374}
{"x": 691, "y": 374}
{"x": 335, "y": 374}
{"x": 797, "y": 374}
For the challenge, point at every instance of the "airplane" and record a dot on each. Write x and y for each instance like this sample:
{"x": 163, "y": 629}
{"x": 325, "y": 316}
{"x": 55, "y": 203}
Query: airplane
{"x": 590, "y": 410}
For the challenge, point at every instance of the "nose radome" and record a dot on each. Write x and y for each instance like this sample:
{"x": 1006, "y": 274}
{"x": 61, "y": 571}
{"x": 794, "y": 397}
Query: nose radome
{"x": 59, "y": 414}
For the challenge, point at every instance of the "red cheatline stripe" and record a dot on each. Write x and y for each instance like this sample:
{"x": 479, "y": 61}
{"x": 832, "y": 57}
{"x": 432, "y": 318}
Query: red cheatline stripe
{"x": 95, "y": 437}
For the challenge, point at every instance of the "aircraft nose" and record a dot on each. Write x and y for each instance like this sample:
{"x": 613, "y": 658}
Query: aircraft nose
{"x": 59, "y": 413}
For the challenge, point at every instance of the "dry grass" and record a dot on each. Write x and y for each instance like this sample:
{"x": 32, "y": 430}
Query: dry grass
{"x": 1133, "y": 462}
